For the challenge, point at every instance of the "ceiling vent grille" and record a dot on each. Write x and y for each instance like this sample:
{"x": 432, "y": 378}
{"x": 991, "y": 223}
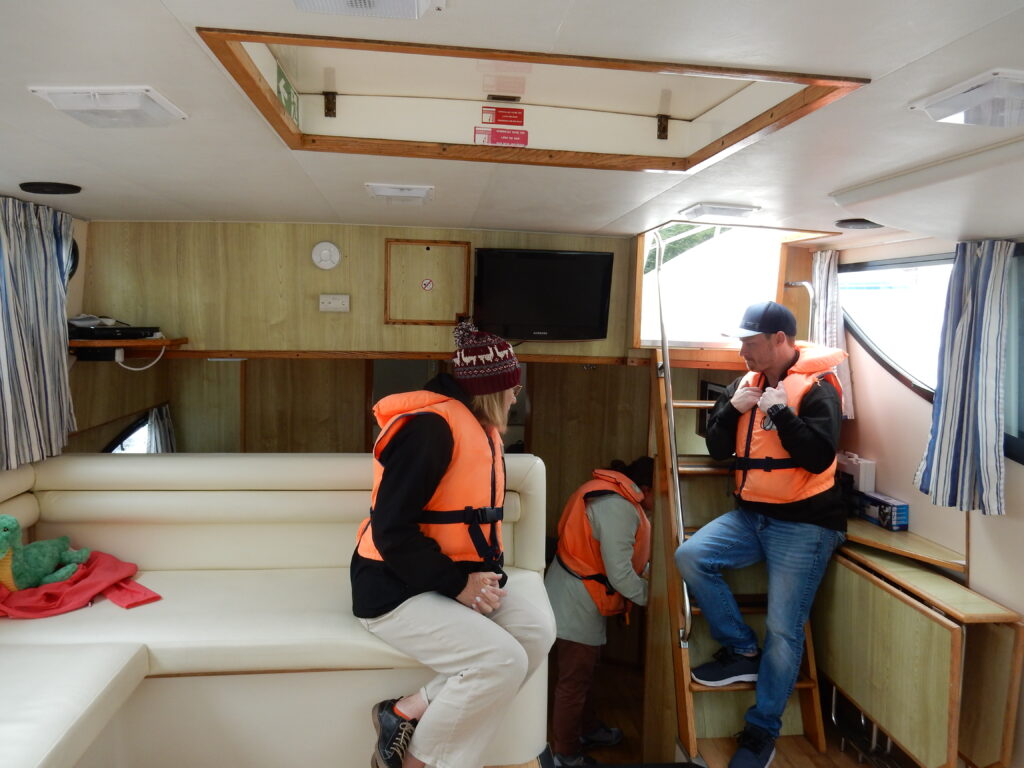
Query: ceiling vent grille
{"x": 387, "y": 9}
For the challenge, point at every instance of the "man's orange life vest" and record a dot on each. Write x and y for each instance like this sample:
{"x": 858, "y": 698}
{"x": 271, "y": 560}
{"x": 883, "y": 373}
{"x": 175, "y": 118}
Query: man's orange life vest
{"x": 464, "y": 514}
{"x": 579, "y": 552}
{"x": 765, "y": 472}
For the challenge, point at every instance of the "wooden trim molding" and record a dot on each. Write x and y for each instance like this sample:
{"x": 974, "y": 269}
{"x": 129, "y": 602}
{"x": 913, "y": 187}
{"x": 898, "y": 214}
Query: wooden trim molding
{"x": 818, "y": 91}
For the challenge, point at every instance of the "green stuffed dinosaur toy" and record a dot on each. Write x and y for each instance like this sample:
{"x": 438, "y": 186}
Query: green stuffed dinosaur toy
{"x": 41, "y": 562}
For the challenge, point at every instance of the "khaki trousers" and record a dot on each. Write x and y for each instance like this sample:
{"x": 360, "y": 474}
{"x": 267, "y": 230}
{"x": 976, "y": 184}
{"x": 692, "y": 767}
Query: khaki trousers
{"x": 481, "y": 661}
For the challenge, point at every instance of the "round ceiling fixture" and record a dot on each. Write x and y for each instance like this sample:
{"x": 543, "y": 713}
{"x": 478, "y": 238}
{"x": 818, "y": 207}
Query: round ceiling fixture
{"x": 49, "y": 188}
{"x": 857, "y": 224}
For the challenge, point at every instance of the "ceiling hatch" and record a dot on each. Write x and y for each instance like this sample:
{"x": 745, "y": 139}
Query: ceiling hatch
{"x": 414, "y": 100}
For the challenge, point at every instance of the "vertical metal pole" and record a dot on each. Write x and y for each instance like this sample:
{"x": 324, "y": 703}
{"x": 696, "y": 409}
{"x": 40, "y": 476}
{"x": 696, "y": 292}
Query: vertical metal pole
{"x": 666, "y": 373}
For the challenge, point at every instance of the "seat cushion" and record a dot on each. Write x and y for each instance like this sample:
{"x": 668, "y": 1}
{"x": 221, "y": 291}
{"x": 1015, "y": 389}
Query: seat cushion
{"x": 58, "y": 698}
{"x": 237, "y": 621}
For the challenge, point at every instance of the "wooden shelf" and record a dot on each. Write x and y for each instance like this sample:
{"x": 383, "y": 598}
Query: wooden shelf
{"x": 941, "y": 592}
{"x": 127, "y": 343}
{"x": 904, "y": 543}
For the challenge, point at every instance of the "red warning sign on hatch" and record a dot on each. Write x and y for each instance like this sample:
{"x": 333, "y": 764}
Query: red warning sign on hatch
{"x": 500, "y": 137}
{"x": 502, "y": 115}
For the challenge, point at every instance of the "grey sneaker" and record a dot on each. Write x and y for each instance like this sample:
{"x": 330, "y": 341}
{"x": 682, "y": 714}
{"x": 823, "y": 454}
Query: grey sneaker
{"x": 578, "y": 759}
{"x": 393, "y": 735}
{"x": 728, "y": 667}
{"x": 757, "y": 748}
{"x": 602, "y": 736}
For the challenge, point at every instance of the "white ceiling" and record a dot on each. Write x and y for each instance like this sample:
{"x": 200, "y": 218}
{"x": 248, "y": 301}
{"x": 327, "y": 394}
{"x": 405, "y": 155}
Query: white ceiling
{"x": 225, "y": 163}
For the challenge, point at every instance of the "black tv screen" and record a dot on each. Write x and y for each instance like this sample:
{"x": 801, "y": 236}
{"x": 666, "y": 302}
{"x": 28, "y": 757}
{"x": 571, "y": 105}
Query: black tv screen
{"x": 542, "y": 295}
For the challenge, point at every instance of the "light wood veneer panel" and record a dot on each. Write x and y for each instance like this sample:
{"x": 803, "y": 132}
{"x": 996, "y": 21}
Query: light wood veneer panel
{"x": 898, "y": 661}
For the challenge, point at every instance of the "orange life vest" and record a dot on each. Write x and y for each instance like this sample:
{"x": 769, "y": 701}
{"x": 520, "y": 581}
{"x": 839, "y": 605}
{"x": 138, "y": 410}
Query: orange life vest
{"x": 579, "y": 552}
{"x": 464, "y": 514}
{"x": 765, "y": 472}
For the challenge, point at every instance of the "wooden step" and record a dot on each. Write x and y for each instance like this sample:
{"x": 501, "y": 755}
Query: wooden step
{"x": 801, "y": 683}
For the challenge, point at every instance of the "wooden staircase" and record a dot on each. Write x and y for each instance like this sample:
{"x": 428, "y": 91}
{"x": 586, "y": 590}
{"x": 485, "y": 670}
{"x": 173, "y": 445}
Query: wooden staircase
{"x": 704, "y": 712}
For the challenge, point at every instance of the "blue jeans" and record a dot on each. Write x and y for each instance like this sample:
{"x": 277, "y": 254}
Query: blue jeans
{"x": 796, "y": 555}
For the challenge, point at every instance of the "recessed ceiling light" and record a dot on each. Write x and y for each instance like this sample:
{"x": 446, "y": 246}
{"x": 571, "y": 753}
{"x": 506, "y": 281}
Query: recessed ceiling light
{"x": 994, "y": 98}
{"x": 49, "y": 188}
{"x": 857, "y": 224}
{"x": 400, "y": 193}
{"x": 121, "y": 106}
{"x": 388, "y": 9}
{"x": 716, "y": 210}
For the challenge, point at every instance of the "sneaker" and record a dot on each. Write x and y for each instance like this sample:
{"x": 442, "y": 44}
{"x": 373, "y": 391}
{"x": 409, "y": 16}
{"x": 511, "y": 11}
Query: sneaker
{"x": 393, "y": 735}
{"x": 728, "y": 667}
{"x": 757, "y": 748}
{"x": 602, "y": 736}
{"x": 578, "y": 759}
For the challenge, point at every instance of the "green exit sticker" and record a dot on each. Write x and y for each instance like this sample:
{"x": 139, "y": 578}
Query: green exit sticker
{"x": 287, "y": 95}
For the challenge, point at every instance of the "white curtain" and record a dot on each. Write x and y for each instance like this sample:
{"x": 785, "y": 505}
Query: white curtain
{"x": 827, "y": 325}
{"x": 36, "y": 414}
{"x": 963, "y": 465}
{"x": 161, "y": 431}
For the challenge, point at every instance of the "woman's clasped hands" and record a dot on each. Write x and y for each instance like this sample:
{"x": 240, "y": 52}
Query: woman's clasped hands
{"x": 482, "y": 592}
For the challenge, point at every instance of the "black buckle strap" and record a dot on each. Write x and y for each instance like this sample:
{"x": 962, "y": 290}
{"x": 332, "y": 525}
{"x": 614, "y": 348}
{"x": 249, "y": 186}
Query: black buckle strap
{"x": 467, "y": 516}
{"x": 600, "y": 578}
{"x": 767, "y": 464}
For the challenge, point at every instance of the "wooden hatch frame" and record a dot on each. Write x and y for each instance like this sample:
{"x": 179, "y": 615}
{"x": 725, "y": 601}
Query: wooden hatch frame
{"x": 226, "y": 45}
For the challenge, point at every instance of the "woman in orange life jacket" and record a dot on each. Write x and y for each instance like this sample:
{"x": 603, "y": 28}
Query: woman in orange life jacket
{"x": 604, "y": 546}
{"x": 427, "y": 571}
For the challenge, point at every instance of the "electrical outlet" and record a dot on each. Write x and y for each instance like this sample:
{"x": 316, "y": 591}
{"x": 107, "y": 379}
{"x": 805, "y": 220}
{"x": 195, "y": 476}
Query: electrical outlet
{"x": 334, "y": 302}
{"x": 119, "y": 355}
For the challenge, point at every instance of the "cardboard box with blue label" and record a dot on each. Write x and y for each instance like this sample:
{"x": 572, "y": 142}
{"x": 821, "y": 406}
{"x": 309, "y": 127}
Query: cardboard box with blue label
{"x": 884, "y": 511}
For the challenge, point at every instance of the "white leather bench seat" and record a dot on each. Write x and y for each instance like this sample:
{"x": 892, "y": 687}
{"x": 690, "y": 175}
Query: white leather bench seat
{"x": 291, "y": 619}
{"x": 57, "y": 699}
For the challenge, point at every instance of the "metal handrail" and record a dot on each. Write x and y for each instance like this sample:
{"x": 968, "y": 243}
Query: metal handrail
{"x": 666, "y": 362}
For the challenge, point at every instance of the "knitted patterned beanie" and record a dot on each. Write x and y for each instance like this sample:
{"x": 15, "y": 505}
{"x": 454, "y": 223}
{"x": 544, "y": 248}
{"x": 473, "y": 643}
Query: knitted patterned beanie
{"x": 483, "y": 363}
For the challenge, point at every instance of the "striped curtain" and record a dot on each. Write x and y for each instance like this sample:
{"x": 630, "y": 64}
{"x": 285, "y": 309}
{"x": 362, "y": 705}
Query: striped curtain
{"x": 161, "y": 430}
{"x": 963, "y": 464}
{"x": 36, "y": 415}
{"x": 827, "y": 324}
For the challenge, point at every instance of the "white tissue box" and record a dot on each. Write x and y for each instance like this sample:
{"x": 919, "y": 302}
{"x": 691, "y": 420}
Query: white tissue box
{"x": 861, "y": 470}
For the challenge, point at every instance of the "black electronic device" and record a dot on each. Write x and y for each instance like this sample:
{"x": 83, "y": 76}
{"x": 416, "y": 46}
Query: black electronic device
{"x": 542, "y": 295}
{"x": 112, "y": 332}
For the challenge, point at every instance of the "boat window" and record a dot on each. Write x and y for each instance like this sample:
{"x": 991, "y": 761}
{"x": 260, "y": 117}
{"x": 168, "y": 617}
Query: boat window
{"x": 894, "y": 308}
{"x": 1014, "y": 447}
{"x": 134, "y": 439}
{"x": 710, "y": 274}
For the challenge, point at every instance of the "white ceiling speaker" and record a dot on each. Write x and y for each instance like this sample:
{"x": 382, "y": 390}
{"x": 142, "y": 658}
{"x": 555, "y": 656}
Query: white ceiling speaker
{"x": 387, "y": 9}
{"x": 114, "y": 106}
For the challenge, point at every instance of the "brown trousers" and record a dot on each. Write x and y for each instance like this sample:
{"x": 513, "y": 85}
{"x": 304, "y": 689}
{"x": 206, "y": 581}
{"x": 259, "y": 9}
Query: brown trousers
{"x": 573, "y": 712}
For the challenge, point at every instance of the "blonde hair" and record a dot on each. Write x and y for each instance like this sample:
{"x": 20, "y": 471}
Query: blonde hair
{"x": 490, "y": 410}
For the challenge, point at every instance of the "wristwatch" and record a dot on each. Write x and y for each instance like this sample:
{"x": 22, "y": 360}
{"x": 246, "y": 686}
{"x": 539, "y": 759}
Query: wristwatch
{"x": 775, "y": 410}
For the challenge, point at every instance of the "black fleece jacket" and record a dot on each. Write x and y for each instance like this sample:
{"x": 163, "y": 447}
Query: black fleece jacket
{"x": 810, "y": 438}
{"x": 415, "y": 460}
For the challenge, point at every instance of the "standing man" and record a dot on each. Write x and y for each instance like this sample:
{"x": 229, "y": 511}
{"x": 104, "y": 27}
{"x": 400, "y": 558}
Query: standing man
{"x": 781, "y": 422}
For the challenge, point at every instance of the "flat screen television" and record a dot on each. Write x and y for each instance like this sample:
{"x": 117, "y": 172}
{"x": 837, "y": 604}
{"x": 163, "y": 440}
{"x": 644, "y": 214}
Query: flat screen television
{"x": 542, "y": 295}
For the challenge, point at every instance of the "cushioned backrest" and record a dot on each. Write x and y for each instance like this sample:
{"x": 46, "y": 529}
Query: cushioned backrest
{"x": 209, "y": 511}
{"x": 15, "y": 498}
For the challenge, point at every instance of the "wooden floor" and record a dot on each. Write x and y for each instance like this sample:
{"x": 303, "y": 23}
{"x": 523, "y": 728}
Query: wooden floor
{"x": 619, "y": 698}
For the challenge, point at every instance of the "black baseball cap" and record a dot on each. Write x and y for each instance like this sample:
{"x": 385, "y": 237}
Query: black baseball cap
{"x": 765, "y": 317}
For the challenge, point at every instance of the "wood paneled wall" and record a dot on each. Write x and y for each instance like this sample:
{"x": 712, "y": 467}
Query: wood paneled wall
{"x": 229, "y": 286}
{"x": 307, "y": 406}
{"x": 107, "y": 398}
{"x": 583, "y": 417}
{"x": 206, "y": 405}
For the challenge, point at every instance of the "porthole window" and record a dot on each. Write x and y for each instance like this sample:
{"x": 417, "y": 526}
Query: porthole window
{"x": 134, "y": 439}
{"x": 895, "y": 310}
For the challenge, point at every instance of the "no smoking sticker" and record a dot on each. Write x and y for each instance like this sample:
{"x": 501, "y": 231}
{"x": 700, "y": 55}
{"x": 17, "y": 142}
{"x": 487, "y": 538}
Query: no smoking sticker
{"x": 427, "y": 284}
